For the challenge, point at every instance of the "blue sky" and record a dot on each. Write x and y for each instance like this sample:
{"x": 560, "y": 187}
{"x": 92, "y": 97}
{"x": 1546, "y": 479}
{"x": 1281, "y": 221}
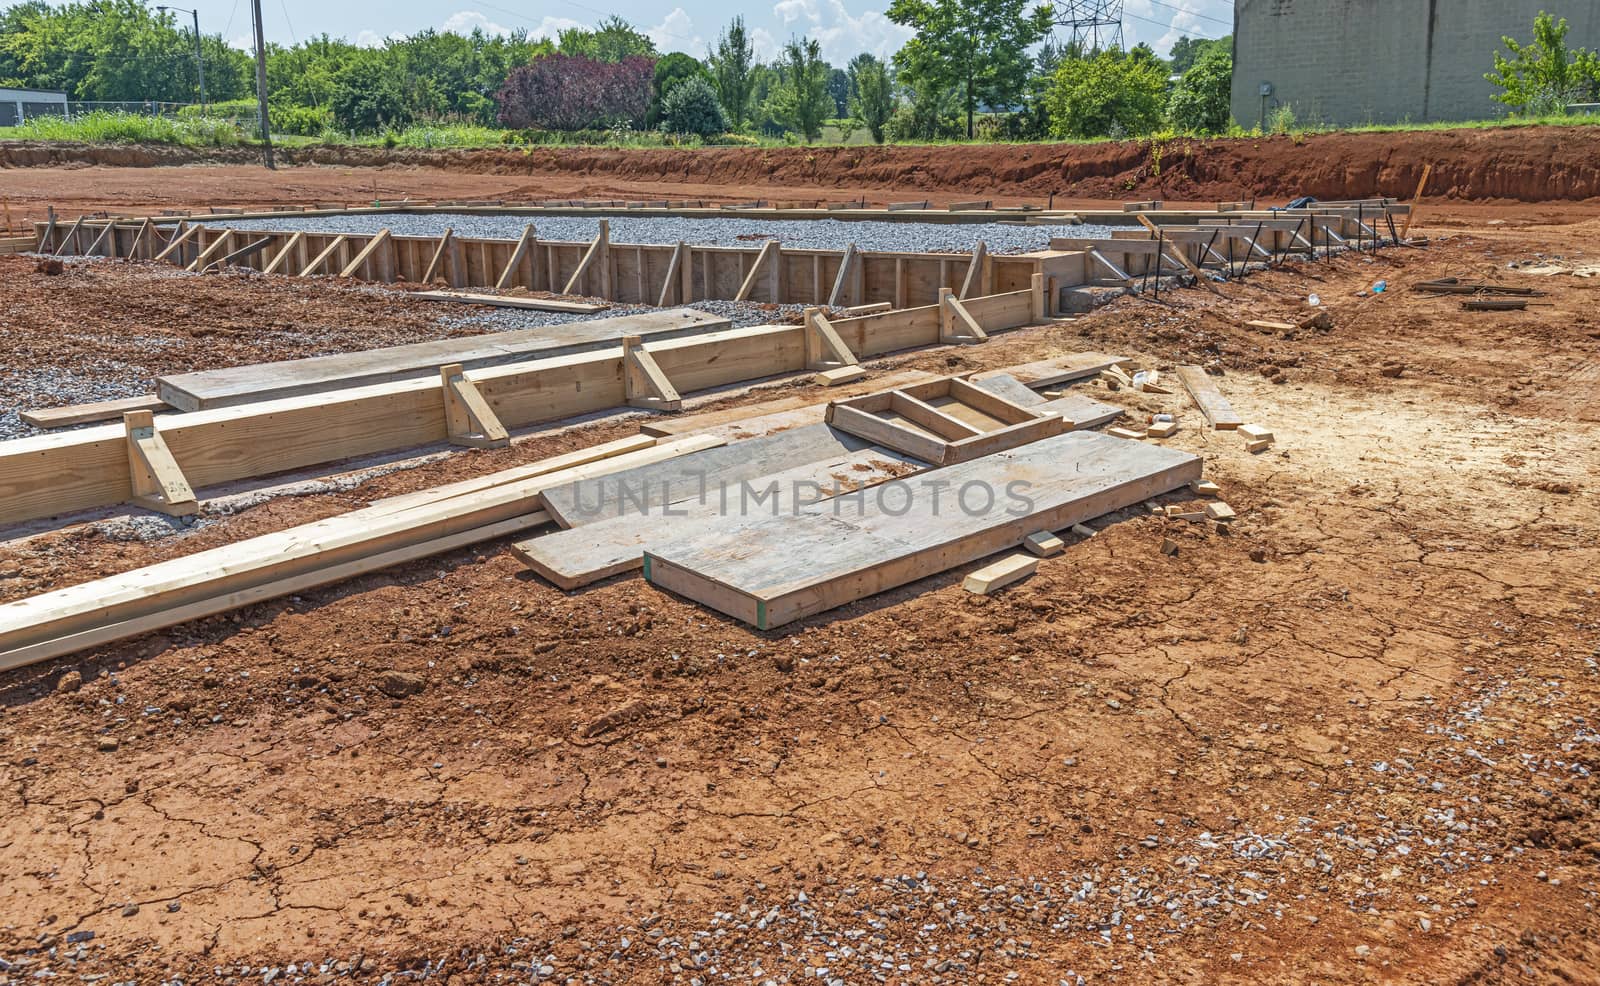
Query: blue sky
{"x": 844, "y": 27}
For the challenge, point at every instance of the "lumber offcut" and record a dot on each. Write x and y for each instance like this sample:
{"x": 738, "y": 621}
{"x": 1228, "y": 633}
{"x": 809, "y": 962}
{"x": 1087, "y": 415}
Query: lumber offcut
{"x": 772, "y": 571}
{"x": 513, "y": 301}
{"x": 1209, "y": 399}
{"x": 83, "y": 414}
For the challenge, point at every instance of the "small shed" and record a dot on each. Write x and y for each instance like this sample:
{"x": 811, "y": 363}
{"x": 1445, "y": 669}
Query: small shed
{"x": 20, "y": 105}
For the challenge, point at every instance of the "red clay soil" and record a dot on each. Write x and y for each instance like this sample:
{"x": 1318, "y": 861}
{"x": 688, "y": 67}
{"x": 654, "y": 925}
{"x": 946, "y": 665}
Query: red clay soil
{"x": 1350, "y": 738}
{"x": 1528, "y": 164}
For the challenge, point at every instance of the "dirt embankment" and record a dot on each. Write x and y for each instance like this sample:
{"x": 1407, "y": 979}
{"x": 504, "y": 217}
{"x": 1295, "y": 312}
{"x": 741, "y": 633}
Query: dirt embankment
{"x": 1521, "y": 164}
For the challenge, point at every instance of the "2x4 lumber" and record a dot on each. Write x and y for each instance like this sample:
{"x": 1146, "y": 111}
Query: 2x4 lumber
{"x": 853, "y": 553}
{"x": 1177, "y": 252}
{"x": 1010, "y": 437}
{"x": 512, "y": 301}
{"x": 973, "y": 282}
{"x": 439, "y": 254}
{"x": 925, "y": 415}
{"x": 839, "y": 375}
{"x": 1012, "y": 390}
{"x": 510, "y": 270}
{"x": 953, "y": 315}
{"x": 1041, "y": 304}
{"x": 82, "y": 414}
{"x": 841, "y": 282}
{"x": 1080, "y": 411}
{"x": 673, "y": 278}
{"x": 71, "y": 237}
{"x": 824, "y": 348}
{"x": 1208, "y": 398}
{"x": 105, "y": 231}
{"x": 1053, "y": 371}
{"x": 248, "y": 250}
{"x": 871, "y": 428}
{"x": 596, "y": 249}
{"x": 1416, "y": 200}
{"x": 139, "y": 240}
{"x": 992, "y": 578}
{"x": 289, "y": 247}
{"x": 321, "y": 258}
{"x": 1100, "y": 258}
{"x": 185, "y": 231}
{"x": 990, "y": 403}
{"x": 154, "y": 476}
{"x": 299, "y": 552}
{"x": 645, "y": 385}
{"x": 468, "y": 418}
{"x": 768, "y": 255}
{"x": 365, "y": 253}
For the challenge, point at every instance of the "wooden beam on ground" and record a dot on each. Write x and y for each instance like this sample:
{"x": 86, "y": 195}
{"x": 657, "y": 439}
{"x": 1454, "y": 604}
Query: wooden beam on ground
{"x": 365, "y": 253}
{"x": 868, "y": 426}
{"x": 524, "y": 242}
{"x": 841, "y": 283}
{"x": 438, "y": 255}
{"x": 925, "y": 415}
{"x": 992, "y": 578}
{"x": 953, "y": 317}
{"x": 673, "y": 278}
{"x": 83, "y": 414}
{"x": 468, "y": 417}
{"x": 824, "y": 348}
{"x": 289, "y": 246}
{"x": 768, "y": 254}
{"x": 645, "y": 385}
{"x": 1209, "y": 399}
{"x": 839, "y": 375}
{"x": 972, "y": 283}
{"x": 219, "y": 579}
{"x": 157, "y": 481}
{"x": 512, "y": 301}
{"x": 316, "y": 262}
{"x": 595, "y": 250}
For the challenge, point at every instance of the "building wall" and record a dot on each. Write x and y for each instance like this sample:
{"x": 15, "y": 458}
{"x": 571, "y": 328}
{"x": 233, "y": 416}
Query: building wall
{"x": 1350, "y": 62}
{"x": 17, "y": 105}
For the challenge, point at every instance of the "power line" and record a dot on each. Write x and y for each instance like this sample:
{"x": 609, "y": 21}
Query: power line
{"x": 1191, "y": 13}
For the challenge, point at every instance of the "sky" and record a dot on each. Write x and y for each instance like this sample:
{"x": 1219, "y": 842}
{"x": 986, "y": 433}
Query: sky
{"x": 843, "y": 27}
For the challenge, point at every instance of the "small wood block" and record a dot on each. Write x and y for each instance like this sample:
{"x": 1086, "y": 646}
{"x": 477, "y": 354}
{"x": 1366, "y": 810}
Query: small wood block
{"x": 1162, "y": 429}
{"x": 1205, "y": 487}
{"x": 1267, "y": 326}
{"x": 1044, "y": 544}
{"x": 1002, "y": 573}
{"x": 1259, "y": 446}
{"x": 838, "y": 375}
{"x": 1084, "y": 531}
{"x": 1255, "y": 433}
{"x": 1220, "y": 511}
{"x": 1169, "y": 547}
{"x": 1192, "y": 516}
{"x": 1120, "y": 432}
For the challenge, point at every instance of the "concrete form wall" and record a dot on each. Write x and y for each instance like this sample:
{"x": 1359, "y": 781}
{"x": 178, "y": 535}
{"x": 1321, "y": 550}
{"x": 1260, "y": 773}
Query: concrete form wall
{"x": 1350, "y": 62}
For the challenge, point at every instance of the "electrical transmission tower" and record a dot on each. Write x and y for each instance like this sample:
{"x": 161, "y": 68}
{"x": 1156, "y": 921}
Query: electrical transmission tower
{"x": 1094, "y": 25}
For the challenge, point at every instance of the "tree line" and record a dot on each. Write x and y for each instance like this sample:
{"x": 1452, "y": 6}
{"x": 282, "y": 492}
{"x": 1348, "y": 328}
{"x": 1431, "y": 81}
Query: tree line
{"x": 985, "y": 69}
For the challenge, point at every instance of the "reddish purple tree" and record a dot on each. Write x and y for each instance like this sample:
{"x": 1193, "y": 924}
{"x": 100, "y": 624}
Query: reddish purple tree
{"x": 573, "y": 92}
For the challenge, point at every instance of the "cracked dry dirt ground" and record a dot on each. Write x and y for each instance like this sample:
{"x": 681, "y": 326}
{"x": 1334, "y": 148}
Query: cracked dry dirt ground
{"x": 1367, "y": 757}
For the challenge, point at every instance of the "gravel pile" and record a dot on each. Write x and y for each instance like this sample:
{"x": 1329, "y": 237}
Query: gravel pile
{"x": 23, "y": 388}
{"x": 741, "y": 313}
{"x": 825, "y": 234}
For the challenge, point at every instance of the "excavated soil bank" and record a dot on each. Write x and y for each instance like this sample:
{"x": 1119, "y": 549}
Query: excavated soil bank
{"x": 1528, "y": 164}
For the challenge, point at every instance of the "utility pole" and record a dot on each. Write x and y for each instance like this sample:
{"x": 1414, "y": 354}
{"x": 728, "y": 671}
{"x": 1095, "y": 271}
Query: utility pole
{"x": 199, "y": 55}
{"x": 261, "y": 86}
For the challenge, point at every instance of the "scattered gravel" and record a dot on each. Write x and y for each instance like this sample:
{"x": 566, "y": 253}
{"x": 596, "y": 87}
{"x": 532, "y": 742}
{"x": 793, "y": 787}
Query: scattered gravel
{"x": 22, "y": 388}
{"x": 741, "y": 313}
{"x": 800, "y": 233}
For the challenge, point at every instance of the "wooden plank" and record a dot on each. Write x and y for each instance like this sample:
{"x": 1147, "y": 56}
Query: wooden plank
{"x": 1208, "y": 398}
{"x": 438, "y": 255}
{"x": 645, "y": 489}
{"x": 1006, "y": 386}
{"x": 615, "y": 545}
{"x": 366, "y": 252}
{"x": 154, "y": 476}
{"x": 316, "y": 262}
{"x": 871, "y": 428}
{"x": 973, "y": 282}
{"x": 674, "y": 276}
{"x": 82, "y": 414}
{"x": 1009, "y": 437}
{"x": 1416, "y": 200}
{"x": 208, "y": 389}
{"x": 1053, "y": 371}
{"x": 289, "y": 247}
{"x": 927, "y": 416}
{"x": 177, "y": 242}
{"x": 517, "y": 254}
{"x": 645, "y": 384}
{"x": 513, "y": 301}
{"x": 1044, "y": 544}
{"x": 468, "y": 417}
{"x": 1181, "y": 255}
{"x": 991, "y": 578}
{"x": 839, "y": 375}
{"x": 1081, "y": 411}
{"x": 285, "y": 554}
{"x": 841, "y": 555}
{"x": 823, "y": 346}
{"x": 768, "y": 252}
{"x": 71, "y": 237}
{"x": 597, "y": 249}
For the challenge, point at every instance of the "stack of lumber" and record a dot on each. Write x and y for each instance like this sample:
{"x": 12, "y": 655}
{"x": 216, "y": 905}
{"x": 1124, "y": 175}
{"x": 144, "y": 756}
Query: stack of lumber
{"x": 769, "y": 571}
{"x": 389, "y": 532}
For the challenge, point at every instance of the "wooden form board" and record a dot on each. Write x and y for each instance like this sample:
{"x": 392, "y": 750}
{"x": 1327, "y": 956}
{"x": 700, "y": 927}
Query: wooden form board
{"x": 48, "y": 475}
{"x": 852, "y": 548}
{"x": 67, "y": 619}
{"x": 942, "y": 421}
{"x": 1065, "y": 369}
{"x": 206, "y": 389}
{"x": 1081, "y": 411}
{"x": 616, "y": 544}
{"x": 513, "y": 301}
{"x": 710, "y": 474}
{"x": 1208, "y": 398}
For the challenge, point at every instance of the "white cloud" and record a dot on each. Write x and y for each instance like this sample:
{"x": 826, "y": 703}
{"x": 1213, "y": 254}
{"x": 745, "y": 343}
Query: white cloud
{"x": 765, "y": 46}
{"x": 840, "y": 35}
{"x": 676, "y": 33}
{"x": 465, "y": 21}
{"x": 1197, "y": 19}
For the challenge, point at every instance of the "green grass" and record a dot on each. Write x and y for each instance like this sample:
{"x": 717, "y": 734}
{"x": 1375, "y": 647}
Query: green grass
{"x": 102, "y": 127}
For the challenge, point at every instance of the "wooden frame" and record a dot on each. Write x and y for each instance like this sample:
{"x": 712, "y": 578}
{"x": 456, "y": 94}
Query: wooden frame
{"x": 955, "y": 421}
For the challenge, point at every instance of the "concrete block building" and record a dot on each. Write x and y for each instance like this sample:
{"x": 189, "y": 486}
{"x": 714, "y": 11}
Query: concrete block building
{"x": 18, "y": 105}
{"x": 1353, "y": 62}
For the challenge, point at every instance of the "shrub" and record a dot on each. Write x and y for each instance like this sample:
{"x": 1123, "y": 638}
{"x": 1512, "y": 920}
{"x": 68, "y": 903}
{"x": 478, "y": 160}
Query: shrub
{"x": 574, "y": 92}
{"x": 691, "y": 107}
{"x": 1282, "y": 120}
{"x": 1110, "y": 95}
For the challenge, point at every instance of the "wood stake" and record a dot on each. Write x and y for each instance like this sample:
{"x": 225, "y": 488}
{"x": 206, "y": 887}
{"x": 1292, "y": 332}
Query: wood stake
{"x": 468, "y": 417}
{"x": 644, "y": 384}
{"x": 365, "y": 252}
{"x": 516, "y": 258}
{"x": 283, "y": 255}
{"x": 438, "y": 255}
{"x": 1416, "y": 200}
{"x": 156, "y": 480}
{"x": 836, "y": 296}
{"x": 824, "y": 347}
{"x": 974, "y": 279}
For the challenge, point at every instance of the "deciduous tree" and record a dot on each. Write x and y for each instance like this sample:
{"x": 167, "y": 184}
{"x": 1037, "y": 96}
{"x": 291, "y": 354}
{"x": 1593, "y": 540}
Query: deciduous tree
{"x": 801, "y": 102}
{"x": 1544, "y": 75}
{"x": 732, "y": 62}
{"x": 979, "y": 47}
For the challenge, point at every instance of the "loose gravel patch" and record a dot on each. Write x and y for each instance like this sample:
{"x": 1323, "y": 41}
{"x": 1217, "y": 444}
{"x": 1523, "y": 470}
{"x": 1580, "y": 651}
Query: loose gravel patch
{"x": 823, "y": 234}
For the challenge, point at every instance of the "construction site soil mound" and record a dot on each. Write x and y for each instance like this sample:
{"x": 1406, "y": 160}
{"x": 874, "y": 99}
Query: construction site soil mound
{"x": 1528, "y": 164}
